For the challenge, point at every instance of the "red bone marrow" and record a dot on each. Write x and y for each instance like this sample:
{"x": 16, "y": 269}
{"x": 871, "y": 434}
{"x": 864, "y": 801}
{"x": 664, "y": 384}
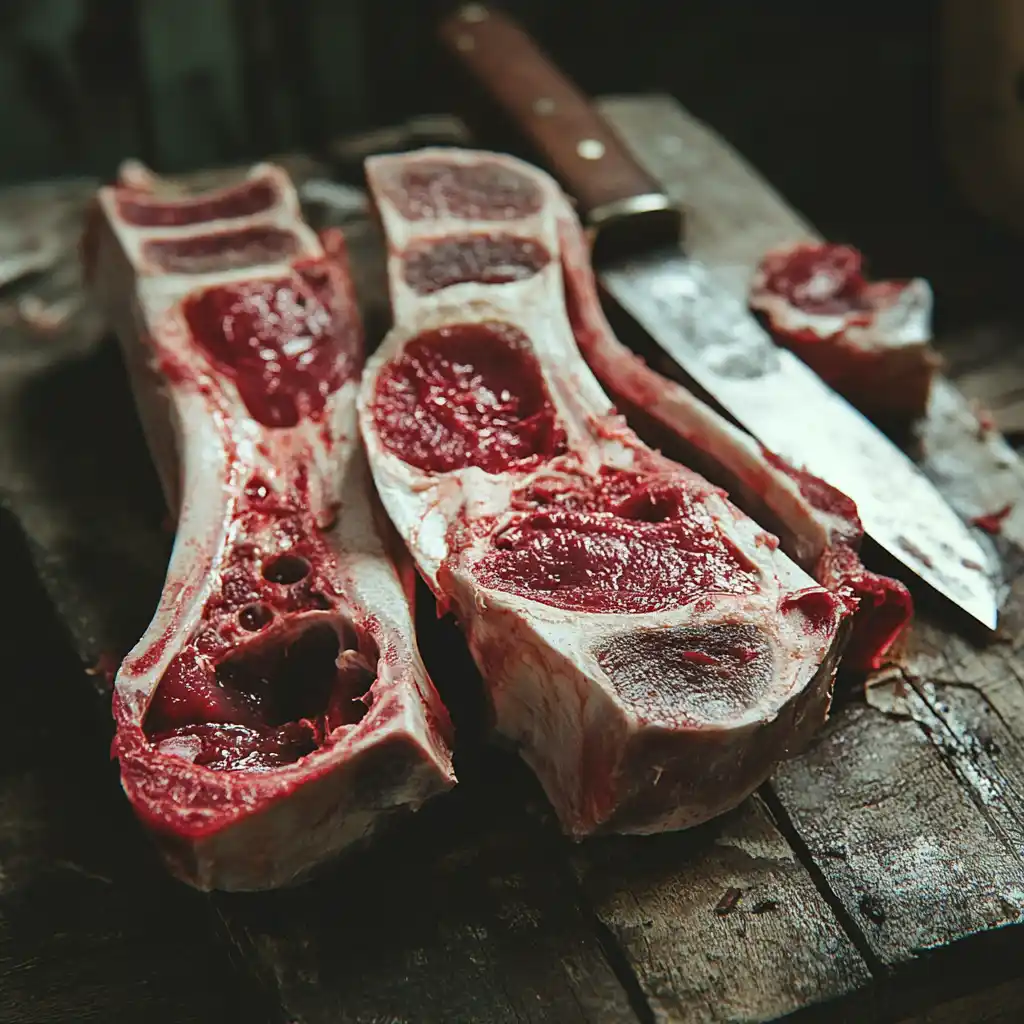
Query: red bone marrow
{"x": 277, "y": 707}
{"x": 647, "y": 645}
{"x": 869, "y": 340}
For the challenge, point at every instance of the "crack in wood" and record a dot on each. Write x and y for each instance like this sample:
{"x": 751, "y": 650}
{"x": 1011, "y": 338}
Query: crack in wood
{"x": 966, "y": 756}
{"x": 788, "y": 828}
{"x": 617, "y": 959}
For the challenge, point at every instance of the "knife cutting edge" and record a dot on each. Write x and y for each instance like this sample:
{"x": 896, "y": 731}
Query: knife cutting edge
{"x": 701, "y": 320}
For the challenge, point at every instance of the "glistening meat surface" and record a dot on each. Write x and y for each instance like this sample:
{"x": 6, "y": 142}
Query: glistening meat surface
{"x": 646, "y": 644}
{"x": 620, "y": 541}
{"x": 818, "y": 526}
{"x": 276, "y": 709}
{"x": 869, "y": 340}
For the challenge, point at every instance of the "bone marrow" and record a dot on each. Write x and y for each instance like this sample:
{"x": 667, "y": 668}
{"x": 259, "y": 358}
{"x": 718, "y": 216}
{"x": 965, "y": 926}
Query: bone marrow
{"x": 432, "y": 264}
{"x": 466, "y": 395}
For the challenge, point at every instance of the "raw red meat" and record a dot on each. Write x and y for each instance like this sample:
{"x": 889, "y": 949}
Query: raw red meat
{"x": 277, "y": 707}
{"x": 818, "y": 526}
{"x": 646, "y": 644}
{"x": 869, "y": 340}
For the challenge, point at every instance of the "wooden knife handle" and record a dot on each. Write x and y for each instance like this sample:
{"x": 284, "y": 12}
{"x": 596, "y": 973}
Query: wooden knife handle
{"x": 571, "y": 136}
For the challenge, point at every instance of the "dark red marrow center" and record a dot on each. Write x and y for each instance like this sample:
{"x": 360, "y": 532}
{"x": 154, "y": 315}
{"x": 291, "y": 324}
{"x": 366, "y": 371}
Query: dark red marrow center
{"x": 286, "y": 343}
{"x": 622, "y": 542}
{"x": 265, "y": 707}
{"x": 429, "y": 265}
{"x": 818, "y": 279}
{"x": 707, "y": 673}
{"x": 222, "y": 250}
{"x": 235, "y": 700}
{"x": 148, "y": 211}
{"x": 482, "y": 191}
{"x": 467, "y": 395}
{"x": 825, "y": 280}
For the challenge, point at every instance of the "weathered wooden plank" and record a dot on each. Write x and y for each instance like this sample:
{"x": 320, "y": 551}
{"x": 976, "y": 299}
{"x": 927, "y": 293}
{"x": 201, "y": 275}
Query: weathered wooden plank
{"x": 907, "y": 851}
{"x": 914, "y": 831}
{"x": 722, "y": 923}
{"x": 466, "y": 914}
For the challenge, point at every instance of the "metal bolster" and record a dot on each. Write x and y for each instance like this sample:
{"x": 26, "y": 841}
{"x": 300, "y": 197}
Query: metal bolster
{"x": 624, "y": 209}
{"x": 636, "y": 224}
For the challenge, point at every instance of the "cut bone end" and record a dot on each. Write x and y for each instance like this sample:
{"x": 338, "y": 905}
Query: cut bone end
{"x": 320, "y": 740}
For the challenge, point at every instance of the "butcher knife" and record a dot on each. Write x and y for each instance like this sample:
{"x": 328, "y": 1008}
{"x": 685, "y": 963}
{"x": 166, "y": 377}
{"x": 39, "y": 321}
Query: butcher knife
{"x": 701, "y": 320}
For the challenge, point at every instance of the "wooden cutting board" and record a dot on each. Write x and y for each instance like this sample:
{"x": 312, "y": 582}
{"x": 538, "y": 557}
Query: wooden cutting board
{"x": 878, "y": 875}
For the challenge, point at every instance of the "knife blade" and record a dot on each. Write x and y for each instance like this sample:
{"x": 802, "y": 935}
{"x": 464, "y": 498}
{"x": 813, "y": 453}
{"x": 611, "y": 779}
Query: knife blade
{"x": 699, "y": 317}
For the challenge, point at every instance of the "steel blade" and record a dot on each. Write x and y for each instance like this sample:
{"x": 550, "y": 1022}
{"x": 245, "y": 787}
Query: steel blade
{"x": 699, "y": 317}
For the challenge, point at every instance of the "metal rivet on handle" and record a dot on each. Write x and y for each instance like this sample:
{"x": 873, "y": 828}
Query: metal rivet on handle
{"x": 473, "y": 13}
{"x": 544, "y": 106}
{"x": 590, "y": 149}
{"x": 465, "y": 43}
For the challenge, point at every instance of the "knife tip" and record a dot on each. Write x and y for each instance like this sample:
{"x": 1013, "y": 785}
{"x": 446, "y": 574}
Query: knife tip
{"x": 982, "y": 607}
{"x": 987, "y": 617}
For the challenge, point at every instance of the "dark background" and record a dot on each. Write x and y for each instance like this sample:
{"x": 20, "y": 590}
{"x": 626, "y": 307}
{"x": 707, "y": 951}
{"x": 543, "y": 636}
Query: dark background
{"x": 834, "y": 103}
{"x": 89, "y": 81}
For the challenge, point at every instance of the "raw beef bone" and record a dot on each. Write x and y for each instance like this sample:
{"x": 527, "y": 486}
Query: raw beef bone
{"x": 644, "y": 642}
{"x": 276, "y": 707}
{"x": 818, "y": 526}
{"x": 868, "y": 340}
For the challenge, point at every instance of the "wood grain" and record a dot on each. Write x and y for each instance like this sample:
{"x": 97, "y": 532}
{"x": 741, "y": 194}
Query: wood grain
{"x": 466, "y": 914}
{"x": 722, "y": 923}
{"x": 547, "y": 108}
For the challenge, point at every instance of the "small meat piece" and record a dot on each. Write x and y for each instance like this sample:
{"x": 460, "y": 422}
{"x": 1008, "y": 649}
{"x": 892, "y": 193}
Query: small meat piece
{"x": 868, "y": 340}
{"x": 276, "y": 709}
